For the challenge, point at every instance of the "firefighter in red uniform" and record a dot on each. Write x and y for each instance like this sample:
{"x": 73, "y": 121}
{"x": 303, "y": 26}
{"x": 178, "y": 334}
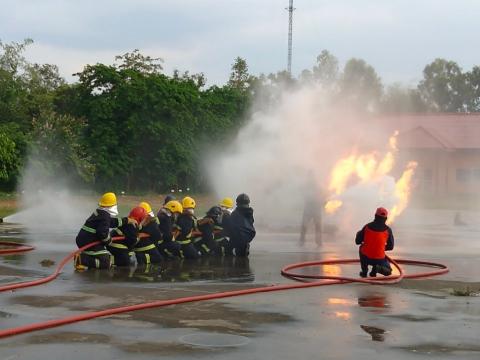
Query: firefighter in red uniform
{"x": 374, "y": 239}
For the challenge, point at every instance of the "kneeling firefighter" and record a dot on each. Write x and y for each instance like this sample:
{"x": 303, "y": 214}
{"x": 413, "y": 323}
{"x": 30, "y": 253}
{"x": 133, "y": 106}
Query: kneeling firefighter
{"x": 206, "y": 243}
{"x": 146, "y": 250}
{"x": 184, "y": 228}
{"x": 121, "y": 250}
{"x": 240, "y": 226}
{"x": 97, "y": 228}
{"x": 167, "y": 217}
{"x": 374, "y": 239}
{"x": 222, "y": 236}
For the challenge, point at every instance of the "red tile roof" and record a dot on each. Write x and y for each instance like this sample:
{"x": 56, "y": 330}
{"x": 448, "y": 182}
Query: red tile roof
{"x": 428, "y": 131}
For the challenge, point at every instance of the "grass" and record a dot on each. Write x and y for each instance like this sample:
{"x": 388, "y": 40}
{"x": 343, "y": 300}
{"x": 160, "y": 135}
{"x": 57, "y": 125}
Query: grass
{"x": 464, "y": 292}
{"x": 8, "y": 204}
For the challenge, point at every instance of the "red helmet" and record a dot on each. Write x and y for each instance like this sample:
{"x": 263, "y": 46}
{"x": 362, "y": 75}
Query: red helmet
{"x": 138, "y": 213}
{"x": 381, "y": 212}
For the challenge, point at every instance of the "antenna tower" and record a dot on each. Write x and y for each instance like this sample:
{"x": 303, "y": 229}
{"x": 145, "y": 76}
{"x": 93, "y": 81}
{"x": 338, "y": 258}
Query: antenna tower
{"x": 290, "y": 31}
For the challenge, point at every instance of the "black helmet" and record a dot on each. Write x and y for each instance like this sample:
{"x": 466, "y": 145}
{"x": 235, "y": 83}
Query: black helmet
{"x": 243, "y": 200}
{"x": 168, "y": 198}
{"x": 215, "y": 212}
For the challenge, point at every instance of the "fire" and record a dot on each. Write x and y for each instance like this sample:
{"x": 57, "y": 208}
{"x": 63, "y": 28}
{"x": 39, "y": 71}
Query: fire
{"x": 370, "y": 167}
{"x": 366, "y": 167}
{"x": 403, "y": 190}
{"x": 341, "y": 173}
{"x": 332, "y": 205}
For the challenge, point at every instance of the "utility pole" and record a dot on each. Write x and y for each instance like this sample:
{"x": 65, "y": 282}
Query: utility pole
{"x": 290, "y": 30}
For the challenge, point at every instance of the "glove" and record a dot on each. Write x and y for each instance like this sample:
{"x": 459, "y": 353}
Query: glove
{"x": 205, "y": 221}
{"x": 133, "y": 221}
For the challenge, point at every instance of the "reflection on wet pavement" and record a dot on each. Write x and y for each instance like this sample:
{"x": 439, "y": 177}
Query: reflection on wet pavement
{"x": 376, "y": 333}
{"x": 442, "y": 348}
{"x": 334, "y": 322}
{"x": 229, "y": 269}
{"x": 375, "y": 301}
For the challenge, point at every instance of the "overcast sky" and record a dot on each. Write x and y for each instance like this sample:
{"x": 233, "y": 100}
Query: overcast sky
{"x": 397, "y": 37}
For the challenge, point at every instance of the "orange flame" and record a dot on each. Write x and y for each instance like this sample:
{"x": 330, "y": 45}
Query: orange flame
{"x": 332, "y": 205}
{"x": 370, "y": 168}
{"x": 366, "y": 167}
{"x": 403, "y": 190}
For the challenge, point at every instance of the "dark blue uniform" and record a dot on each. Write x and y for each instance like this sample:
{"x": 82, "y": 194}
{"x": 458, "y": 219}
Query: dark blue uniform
{"x": 168, "y": 248}
{"x": 241, "y": 230}
{"x": 146, "y": 250}
{"x": 96, "y": 228}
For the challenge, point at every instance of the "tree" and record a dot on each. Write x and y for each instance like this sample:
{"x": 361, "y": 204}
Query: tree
{"x": 57, "y": 148}
{"x": 8, "y": 158}
{"x": 326, "y": 69}
{"x": 398, "y": 99}
{"x": 444, "y": 87}
{"x": 26, "y": 90}
{"x": 360, "y": 86}
{"x": 198, "y": 80}
{"x": 473, "y": 81}
{"x": 138, "y": 62}
{"x": 239, "y": 76}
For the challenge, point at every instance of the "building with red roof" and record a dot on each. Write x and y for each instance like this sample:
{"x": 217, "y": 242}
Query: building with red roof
{"x": 446, "y": 147}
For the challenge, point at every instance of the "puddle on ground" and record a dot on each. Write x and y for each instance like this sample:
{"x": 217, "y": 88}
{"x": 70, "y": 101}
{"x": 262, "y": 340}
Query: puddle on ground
{"x": 164, "y": 348}
{"x": 68, "y": 337}
{"x": 5, "y": 315}
{"x": 413, "y": 318}
{"x": 376, "y": 333}
{"x": 214, "y": 340}
{"x": 375, "y": 301}
{"x": 436, "y": 348}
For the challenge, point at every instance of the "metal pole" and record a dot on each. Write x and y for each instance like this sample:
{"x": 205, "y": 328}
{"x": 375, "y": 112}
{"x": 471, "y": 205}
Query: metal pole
{"x": 290, "y": 31}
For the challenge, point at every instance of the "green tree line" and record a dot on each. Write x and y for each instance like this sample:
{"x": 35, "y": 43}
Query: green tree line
{"x": 129, "y": 126}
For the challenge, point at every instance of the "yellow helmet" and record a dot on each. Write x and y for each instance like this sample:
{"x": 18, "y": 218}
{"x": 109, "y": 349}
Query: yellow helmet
{"x": 108, "y": 199}
{"x": 147, "y": 208}
{"x": 227, "y": 202}
{"x": 174, "y": 206}
{"x": 188, "y": 203}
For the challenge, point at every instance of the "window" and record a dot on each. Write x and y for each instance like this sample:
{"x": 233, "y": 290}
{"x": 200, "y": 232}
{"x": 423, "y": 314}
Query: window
{"x": 468, "y": 175}
{"x": 463, "y": 175}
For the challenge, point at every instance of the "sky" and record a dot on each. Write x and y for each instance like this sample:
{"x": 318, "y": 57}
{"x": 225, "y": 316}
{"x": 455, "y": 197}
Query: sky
{"x": 398, "y": 38}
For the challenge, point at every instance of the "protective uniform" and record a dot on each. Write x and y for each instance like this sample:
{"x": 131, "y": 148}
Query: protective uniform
{"x": 240, "y": 226}
{"x": 167, "y": 245}
{"x": 122, "y": 250}
{"x": 146, "y": 251}
{"x": 312, "y": 211}
{"x": 221, "y": 233}
{"x": 96, "y": 228}
{"x": 206, "y": 242}
{"x": 184, "y": 227}
{"x": 374, "y": 239}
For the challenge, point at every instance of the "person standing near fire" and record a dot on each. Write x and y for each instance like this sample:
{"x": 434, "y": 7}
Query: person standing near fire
{"x": 312, "y": 211}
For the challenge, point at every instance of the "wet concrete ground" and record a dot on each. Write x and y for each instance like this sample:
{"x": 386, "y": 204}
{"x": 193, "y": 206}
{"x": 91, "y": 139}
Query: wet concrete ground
{"x": 413, "y": 320}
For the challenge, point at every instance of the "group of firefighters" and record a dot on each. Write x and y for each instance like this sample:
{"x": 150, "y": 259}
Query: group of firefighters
{"x": 173, "y": 233}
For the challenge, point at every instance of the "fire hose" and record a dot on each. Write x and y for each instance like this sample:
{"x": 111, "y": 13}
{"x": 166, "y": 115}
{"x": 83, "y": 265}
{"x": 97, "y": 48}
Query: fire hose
{"x": 305, "y": 281}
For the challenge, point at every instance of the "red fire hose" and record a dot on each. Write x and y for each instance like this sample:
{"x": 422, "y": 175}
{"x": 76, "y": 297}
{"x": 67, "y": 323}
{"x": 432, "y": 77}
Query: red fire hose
{"x": 306, "y": 282}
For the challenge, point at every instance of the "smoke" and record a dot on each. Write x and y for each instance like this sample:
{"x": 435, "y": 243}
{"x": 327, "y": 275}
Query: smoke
{"x": 48, "y": 205}
{"x": 285, "y": 155}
